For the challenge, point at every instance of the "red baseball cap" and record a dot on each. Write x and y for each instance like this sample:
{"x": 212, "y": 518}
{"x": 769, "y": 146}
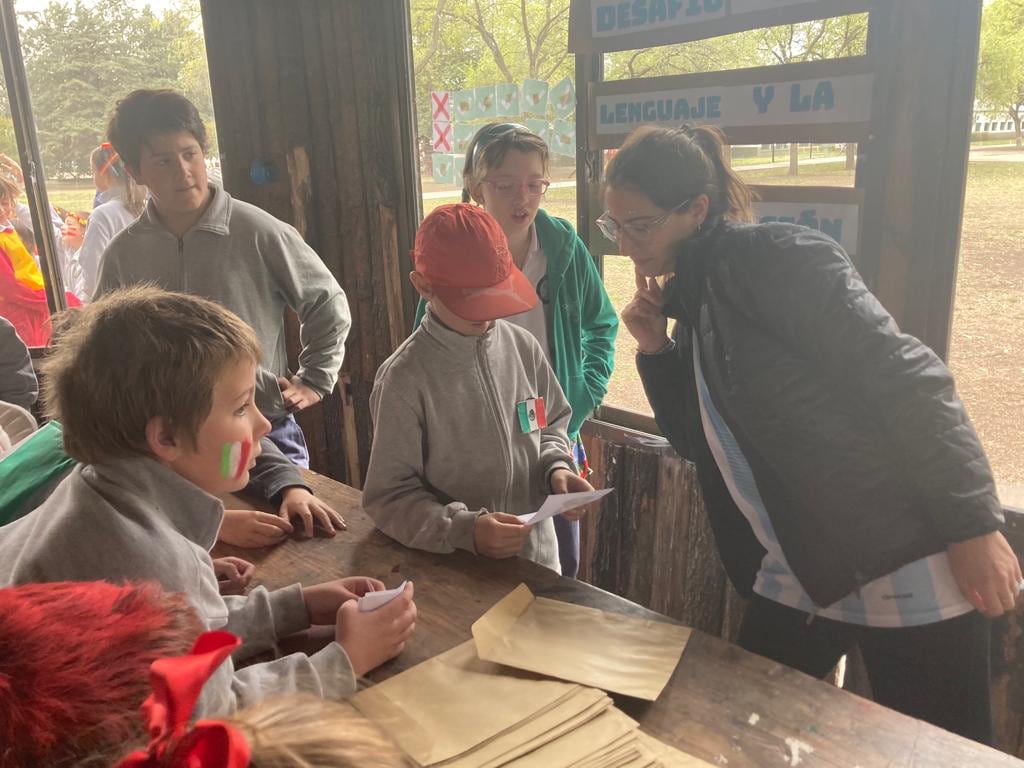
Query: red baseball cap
{"x": 463, "y": 253}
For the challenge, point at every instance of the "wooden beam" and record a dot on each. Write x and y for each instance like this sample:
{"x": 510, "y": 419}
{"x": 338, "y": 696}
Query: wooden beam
{"x": 321, "y": 92}
{"x": 913, "y": 167}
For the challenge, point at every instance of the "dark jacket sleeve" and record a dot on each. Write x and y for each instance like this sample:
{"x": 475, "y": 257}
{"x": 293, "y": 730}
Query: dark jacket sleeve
{"x": 665, "y": 378}
{"x": 18, "y": 383}
{"x": 802, "y": 285}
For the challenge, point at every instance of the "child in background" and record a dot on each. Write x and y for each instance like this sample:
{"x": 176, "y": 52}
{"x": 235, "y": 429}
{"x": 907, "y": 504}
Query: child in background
{"x": 154, "y": 392}
{"x": 194, "y": 237}
{"x": 119, "y": 202}
{"x": 456, "y": 455}
{"x": 506, "y": 171}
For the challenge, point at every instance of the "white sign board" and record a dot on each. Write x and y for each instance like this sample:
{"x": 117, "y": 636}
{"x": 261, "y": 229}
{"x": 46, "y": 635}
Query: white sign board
{"x": 842, "y": 99}
{"x": 840, "y": 221}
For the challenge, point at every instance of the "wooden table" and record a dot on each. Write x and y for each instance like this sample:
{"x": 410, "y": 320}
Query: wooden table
{"x": 724, "y": 705}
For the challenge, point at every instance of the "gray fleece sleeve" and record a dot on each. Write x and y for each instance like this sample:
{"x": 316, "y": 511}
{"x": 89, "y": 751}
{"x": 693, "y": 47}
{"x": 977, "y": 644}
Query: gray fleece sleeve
{"x": 310, "y": 289}
{"x": 274, "y": 472}
{"x": 261, "y": 618}
{"x": 18, "y": 383}
{"x": 394, "y": 493}
{"x": 326, "y": 674}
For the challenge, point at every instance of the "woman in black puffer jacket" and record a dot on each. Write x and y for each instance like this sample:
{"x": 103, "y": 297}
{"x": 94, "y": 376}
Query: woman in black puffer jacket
{"x": 851, "y": 500}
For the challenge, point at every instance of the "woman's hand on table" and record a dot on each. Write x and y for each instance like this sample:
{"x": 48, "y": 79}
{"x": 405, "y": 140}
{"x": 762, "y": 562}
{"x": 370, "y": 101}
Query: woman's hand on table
{"x": 251, "y": 529}
{"x": 643, "y": 315}
{"x": 324, "y": 600}
{"x": 372, "y": 637}
{"x": 298, "y": 502}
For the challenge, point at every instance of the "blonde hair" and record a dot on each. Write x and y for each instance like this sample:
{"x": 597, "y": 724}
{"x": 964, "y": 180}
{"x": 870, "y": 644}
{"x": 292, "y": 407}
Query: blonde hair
{"x": 303, "y": 731}
{"x": 133, "y": 355}
{"x": 489, "y": 147}
{"x": 105, "y": 158}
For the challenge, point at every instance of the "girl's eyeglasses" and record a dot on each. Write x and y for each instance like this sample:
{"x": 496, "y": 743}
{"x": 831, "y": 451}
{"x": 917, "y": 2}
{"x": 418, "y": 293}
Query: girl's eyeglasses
{"x": 637, "y": 230}
{"x": 508, "y": 188}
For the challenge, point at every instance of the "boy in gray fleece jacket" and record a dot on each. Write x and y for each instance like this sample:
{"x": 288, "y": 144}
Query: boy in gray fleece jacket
{"x": 154, "y": 391}
{"x": 194, "y": 237}
{"x": 469, "y": 419}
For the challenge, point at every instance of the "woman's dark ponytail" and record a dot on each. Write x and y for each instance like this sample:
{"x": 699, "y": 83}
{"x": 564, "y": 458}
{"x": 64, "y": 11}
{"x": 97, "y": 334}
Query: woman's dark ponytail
{"x": 672, "y": 165}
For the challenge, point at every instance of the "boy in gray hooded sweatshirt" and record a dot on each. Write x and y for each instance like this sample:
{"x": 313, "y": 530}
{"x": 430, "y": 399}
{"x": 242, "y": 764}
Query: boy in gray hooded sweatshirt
{"x": 469, "y": 419}
{"x": 155, "y": 393}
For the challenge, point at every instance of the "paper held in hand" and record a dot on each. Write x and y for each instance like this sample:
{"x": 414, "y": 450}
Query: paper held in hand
{"x": 624, "y": 654}
{"x": 371, "y": 601}
{"x": 557, "y": 503}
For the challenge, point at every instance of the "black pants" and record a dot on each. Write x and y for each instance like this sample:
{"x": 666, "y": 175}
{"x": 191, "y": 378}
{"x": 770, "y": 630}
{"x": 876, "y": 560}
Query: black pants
{"x": 937, "y": 672}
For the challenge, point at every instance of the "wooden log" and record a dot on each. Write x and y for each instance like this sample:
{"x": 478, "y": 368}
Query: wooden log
{"x": 320, "y": 91}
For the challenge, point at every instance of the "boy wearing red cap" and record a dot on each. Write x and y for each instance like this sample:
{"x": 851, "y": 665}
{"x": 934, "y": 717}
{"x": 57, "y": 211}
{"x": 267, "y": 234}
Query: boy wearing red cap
{"x": 469, "y": 419}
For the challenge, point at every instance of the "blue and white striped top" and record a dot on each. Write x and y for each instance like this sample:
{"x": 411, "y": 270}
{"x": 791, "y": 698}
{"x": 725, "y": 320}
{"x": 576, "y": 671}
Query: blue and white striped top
{"x": 921, "y": 592}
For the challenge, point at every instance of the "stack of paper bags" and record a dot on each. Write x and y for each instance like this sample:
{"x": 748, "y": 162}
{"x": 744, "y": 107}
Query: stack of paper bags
{"x": 459, "y": 710}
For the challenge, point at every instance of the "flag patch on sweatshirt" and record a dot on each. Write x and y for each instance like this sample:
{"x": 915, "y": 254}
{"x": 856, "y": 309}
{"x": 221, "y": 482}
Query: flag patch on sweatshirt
{"x": 531, "y": 414}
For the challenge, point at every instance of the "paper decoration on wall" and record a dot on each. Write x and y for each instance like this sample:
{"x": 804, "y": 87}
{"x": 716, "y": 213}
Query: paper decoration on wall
{"x": 563, "y": 137}
{"x": 463, "y": 133}
{"x": 486, "y": 103}
{"x": 442, "y": 136}
{"x": 541, "y": 127}
{"x": 535, "y": 97}
{"x": 563, "y": 98}
{"x": 507, "y": 95}
{"x": 444, "y": 168}
{"x": 465, "y": 105}
{"x": 440, "y": 105}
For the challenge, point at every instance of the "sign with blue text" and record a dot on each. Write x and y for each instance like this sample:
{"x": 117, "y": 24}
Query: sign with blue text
{"x": 815, "y": 101}
{"x": 597, "y": 26}
{"x": 832, "y": 210}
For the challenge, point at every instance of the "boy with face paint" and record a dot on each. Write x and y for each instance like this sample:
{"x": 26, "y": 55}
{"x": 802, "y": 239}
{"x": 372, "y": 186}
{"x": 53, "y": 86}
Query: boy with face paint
{"x": 155, "y": 394}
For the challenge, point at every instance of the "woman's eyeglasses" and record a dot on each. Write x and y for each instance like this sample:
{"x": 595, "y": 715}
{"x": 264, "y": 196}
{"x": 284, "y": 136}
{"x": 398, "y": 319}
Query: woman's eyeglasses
{"x": 508, "y": 187}
{"x": 638, "y": 230}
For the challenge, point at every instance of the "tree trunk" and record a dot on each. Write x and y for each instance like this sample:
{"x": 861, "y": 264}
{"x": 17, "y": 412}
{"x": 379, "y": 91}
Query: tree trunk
{"x": 794, "y": 159}
{"x": 851, "y": 155}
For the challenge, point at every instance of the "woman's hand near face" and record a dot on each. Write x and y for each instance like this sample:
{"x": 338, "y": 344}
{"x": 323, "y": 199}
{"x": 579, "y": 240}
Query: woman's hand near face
{"x": 643, "y": 316}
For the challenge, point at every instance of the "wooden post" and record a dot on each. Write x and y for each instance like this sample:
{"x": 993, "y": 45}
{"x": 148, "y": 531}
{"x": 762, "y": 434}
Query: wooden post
{"x": 321, "y": 91}
{"x": 914, "y": 166}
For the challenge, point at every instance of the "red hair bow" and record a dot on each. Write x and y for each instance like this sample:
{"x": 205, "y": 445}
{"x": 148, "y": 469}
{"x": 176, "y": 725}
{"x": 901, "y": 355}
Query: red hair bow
{"x": 177, "y": 683}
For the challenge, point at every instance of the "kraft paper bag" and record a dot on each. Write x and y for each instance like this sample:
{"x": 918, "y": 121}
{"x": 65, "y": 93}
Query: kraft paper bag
{"x": 669, "y": 757}
{"x": 619, "y": 653}
{"x": 608, "y": 731}
{"x": 455, "y": 701}
{"x": 541, "y": 729}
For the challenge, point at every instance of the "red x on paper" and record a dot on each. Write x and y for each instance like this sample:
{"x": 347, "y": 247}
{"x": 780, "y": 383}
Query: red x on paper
{"x": 442, "y": 136}
{"x": 440, "y": 106}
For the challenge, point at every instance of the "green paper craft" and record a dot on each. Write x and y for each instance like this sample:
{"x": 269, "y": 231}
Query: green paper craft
{"x": 535, "y": 97}
{"x": 507, "y": 95}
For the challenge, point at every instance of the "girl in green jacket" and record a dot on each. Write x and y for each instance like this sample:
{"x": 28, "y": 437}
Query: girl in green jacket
{"x": 506, "y": 172}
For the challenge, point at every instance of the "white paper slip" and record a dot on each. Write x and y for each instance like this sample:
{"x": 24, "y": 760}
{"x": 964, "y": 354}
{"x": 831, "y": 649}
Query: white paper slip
{"x": 371, "y": 601}
{"x": 557, "y": 503}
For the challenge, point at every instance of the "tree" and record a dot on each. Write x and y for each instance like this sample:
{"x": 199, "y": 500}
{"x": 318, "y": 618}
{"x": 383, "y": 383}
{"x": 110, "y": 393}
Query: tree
{"x": 1001, "y": 60}
{"x": 80, "y": 58}
{"x": 813, "y": 41}
{"x": 467, "y": 43}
